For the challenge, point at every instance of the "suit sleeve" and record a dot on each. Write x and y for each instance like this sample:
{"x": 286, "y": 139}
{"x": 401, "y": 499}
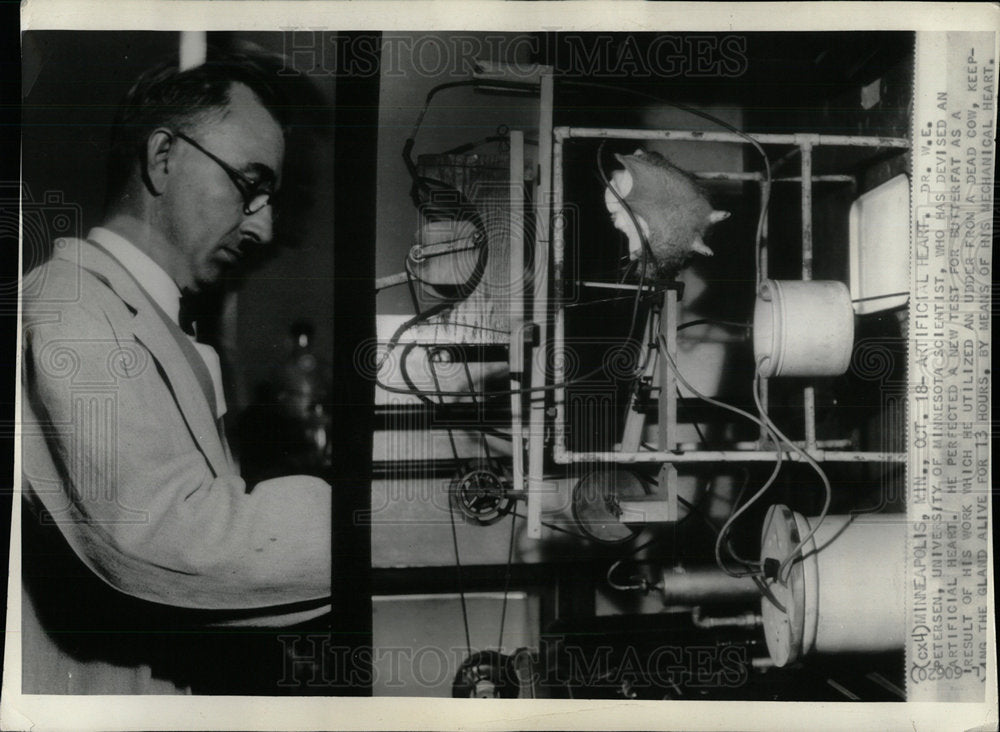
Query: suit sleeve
{"x": 111, "y": 459}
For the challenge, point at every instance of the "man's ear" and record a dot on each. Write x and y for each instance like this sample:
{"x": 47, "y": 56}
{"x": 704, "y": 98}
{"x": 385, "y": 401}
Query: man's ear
{"x": 156, "y": 161}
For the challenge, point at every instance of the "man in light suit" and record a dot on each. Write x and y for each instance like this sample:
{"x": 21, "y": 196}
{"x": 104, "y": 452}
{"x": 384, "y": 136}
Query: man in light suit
{"x": 124, "y": 459}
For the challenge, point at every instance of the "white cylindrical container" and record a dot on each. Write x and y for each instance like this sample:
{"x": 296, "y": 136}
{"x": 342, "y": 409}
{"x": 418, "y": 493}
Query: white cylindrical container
{"x": 803, "y": 328}
{"x": 847, "y": 593}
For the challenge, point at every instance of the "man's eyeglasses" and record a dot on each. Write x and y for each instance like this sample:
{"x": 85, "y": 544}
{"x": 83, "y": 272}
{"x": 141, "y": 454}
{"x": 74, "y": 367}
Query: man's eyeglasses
{"x": 256, "y": 194}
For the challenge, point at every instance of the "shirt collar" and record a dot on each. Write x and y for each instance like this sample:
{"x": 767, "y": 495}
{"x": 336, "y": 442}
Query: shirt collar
{"x": 150, "y": 275}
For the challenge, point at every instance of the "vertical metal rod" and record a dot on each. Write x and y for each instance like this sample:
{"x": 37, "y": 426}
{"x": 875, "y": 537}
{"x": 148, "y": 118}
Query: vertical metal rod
{"x": 807, "y": 231}
{"x": 559, "y": 331}
{"x": 517, "y": 295}
{"x": 808, "y": 393}
{"x": 762, "y": 268}
{"x": 765, "y": 196}
{"x": 668, "y": 383}
{"x": 635, "y": 419}
{"x": 540, "y": 313}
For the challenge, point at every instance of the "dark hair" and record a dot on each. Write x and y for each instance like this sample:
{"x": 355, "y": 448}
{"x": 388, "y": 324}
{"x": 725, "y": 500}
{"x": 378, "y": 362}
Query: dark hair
{"x": 166, "y": 97}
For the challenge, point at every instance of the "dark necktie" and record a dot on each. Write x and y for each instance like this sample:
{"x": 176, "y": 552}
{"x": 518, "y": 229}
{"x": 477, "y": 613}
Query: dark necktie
{"x": 188, "y": 315}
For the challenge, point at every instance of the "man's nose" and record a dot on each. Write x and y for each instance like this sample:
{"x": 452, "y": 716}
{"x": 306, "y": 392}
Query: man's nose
{"x": 259, "y": 225}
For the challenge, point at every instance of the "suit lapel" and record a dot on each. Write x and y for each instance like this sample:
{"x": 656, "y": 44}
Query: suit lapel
{"x": 151, "y": 327}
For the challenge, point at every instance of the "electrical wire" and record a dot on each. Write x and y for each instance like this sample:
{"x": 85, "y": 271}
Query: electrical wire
{"x": 412, "y": 168}
{"x": 765, "y": 198}
{"x": 775, "y": 435}
{"x": 497, "y": 138}
{"x": 458, "y": 570}
{"x": 433, "y": 92}
{"x": 473, "y": 326}
{"x": 430, "y": 96}
{"x": 684, "y": 382}
{"x": 506, "y": 580}
{"x": 410, "y": 277}
{"x": 647, "y": 251}
{"x": 723, "y": 537}
{"x": 697, "y": 427}
{"x": 628, "y": 270}
{"x": 765, "y": 421}
{"x": 454, "y": 530}
{"x": 472, "y": 392}
{"x": 766, "y": 592}
{"x": 479, "y": 241}
{"x": 490, "y": 395}
{"x": 644, "y": 261}
{"x": 723, "y": 532}
{"x": 714, "y": 321}
{"x": 622, "y": 588}
{"x": 827, "y": 488}
{"x": 736, "y": 501}
{"x": 466, "y": 206}
{"x": 414, "y": 391}
{"x": 423, "y": 394}
{"x": 595, "y": 302}
{"x": 693, "y": 509}
{"x": 880, "y": 297}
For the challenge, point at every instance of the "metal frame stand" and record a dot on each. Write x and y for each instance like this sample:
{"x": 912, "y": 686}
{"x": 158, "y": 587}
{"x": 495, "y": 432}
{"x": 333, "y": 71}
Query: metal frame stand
{"x": 669, "y": 452}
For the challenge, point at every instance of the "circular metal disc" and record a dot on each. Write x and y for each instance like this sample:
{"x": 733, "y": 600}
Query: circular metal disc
{"x": 596, "y": 503}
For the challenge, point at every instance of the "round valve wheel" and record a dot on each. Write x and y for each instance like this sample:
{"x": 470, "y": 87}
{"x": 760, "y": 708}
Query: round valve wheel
{"x": 480, "y": 492}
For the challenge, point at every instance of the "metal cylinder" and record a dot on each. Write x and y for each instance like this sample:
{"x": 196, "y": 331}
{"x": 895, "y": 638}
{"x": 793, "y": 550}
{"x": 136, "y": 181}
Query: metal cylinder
{"x": 748, "y": 619}
{"x": 847, "y": 593}
{"x": 803, "y": 328}
{"x": 705, "y": 586}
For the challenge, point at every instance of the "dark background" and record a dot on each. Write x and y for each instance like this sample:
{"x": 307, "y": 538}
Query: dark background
{"x": 10, "y": 100}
